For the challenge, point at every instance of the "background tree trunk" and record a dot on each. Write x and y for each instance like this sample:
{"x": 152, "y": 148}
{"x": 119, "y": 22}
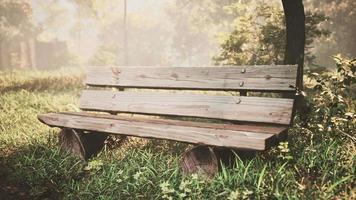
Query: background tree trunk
{"x": 4, "y": 55}
{"x": 295, "y": 23}
{"x": 295, "y": 47}
{"x": 24, "y": 58}
{"x": 1, "y": 61}
{"x": 32, "y": 51}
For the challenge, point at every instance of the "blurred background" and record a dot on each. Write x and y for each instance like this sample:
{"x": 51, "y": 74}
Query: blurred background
{"x": 37, "y": 34}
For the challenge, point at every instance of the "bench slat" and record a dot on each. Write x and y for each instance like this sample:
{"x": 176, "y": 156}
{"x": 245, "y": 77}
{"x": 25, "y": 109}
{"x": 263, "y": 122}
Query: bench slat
{"x": 277, "y": 78}
{"x": 251, "y": 109}
{"x": 249, "y": 127}
{"x": 178, "y": 131}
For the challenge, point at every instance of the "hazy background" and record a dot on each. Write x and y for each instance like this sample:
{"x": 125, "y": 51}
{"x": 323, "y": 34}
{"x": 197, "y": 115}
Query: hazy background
{"x": 56, "y": 33}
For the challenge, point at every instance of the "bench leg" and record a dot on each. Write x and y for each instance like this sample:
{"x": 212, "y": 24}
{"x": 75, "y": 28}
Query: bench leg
{"x": 206, "y": 160}
{"x": 201, "y": 160}
{"x": 81, "y": 144}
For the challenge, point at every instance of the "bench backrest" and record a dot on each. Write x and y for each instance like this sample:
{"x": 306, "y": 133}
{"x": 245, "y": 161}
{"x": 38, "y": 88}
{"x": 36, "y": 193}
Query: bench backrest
{"x": 274, "y": 78}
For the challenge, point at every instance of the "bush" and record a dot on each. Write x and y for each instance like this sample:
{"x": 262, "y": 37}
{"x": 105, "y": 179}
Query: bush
{"x": 332, "y": 100}
{"x": 259, "y": 35}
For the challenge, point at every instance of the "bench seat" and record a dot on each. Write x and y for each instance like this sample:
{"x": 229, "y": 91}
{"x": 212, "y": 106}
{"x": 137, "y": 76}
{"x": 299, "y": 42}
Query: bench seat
{"x": 243, "y": 135}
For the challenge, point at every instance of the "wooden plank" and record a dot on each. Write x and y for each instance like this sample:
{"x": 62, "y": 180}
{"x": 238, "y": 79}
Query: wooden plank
{"x": 249, "y": 127}
{"x": 253, "y": 78}
{"x": 149, "y": 129}
{"x": 250, "y": 109}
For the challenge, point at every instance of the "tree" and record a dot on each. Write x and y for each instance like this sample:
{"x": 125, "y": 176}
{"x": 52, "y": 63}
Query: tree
{"x": 259, "y": 35}
{"x": 263, "y": 34}
{"x": 256, "y": 38}
{"x": 341, "y": 20}
{"x": 195, "y": 25}
{"x": 104, "y": 13}
{"x": 15, "y": 19}
{"x": 15, "y": 23}
{"x": 149, "y": 42}
{"x": 295, "y": 47}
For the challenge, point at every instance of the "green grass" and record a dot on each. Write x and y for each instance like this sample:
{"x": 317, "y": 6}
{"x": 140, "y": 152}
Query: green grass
{"x": 311, "y": 166}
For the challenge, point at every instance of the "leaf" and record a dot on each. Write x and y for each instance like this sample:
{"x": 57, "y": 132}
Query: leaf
{"x": 331, "y": 188}
{"x": 260, "y": 178}
{"x": 349, "y": 114}
{"x": 94, "y": 165}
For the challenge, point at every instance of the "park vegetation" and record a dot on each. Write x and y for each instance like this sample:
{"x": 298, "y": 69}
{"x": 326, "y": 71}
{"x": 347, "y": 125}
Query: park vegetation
{"x": 317, "y": 161}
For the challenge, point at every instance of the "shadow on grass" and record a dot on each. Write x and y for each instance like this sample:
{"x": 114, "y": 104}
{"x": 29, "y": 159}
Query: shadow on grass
{"x": 41, "y": 171}
{"x": 226, "y": 156}
{"x": 37, "y": 171}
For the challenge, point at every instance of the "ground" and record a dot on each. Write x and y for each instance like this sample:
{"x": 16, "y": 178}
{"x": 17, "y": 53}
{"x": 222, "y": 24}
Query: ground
{"x": 309, "y": 166}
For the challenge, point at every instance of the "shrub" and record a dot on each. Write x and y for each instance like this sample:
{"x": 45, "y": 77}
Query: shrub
{"x": 332, "y": 100}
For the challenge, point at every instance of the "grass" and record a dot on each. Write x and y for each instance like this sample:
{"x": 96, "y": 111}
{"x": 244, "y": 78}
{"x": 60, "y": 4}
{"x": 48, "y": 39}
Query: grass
{"x": 309, "y": 166}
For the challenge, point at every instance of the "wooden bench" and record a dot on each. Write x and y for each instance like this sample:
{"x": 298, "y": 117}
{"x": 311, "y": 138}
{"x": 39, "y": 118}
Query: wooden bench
{"x": 243, "y": 122}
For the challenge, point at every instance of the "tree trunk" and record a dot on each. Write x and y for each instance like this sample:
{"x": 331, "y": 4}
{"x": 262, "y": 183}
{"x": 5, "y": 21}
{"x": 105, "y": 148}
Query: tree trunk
{"x": 4, "y": 55}
{"x": 1, "y": 52}
{"x": 24, "y": 58}
{"x": 32, "y": 51}
{"x": 126, "y": 49}
{"x": 295, "y": 23}
{"x": 294, "y": 54}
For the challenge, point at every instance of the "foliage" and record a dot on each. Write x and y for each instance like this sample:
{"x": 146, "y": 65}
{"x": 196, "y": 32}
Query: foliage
{"x": 341, "y": 20}
{"x": 259, "y": 35}
{"x": 105, "y": 55}
{"x": 333, "y": 101}
{"x": 15, "y": 19}
{"x": 37, "y": 81}
{"x": 313, "y": 164}
{"x": 145, "y": 46}
{"x": 51, "y": 23}
{"x": 330, "y": 123}
{"x": 97, "y": 9}
{"x": 195, "y": 24}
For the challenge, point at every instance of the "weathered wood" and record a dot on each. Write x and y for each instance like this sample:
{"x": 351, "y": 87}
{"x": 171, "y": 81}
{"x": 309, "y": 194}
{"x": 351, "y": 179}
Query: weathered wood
{"x": 249, "y": 127}
{"x": 252, "y": 109}
{"x": 200, "y": 160}
{"x": 149, "y": 129}
{"x": 71, "y": 141}
{"x": 252, "y": 123}
{"x": 80, "y": 144}
{"x": 252, "y": 78}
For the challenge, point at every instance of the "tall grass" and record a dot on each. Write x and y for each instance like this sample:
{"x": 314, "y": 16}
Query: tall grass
{"x": 30, "y": 80}
{"x": 304, "y": 168}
